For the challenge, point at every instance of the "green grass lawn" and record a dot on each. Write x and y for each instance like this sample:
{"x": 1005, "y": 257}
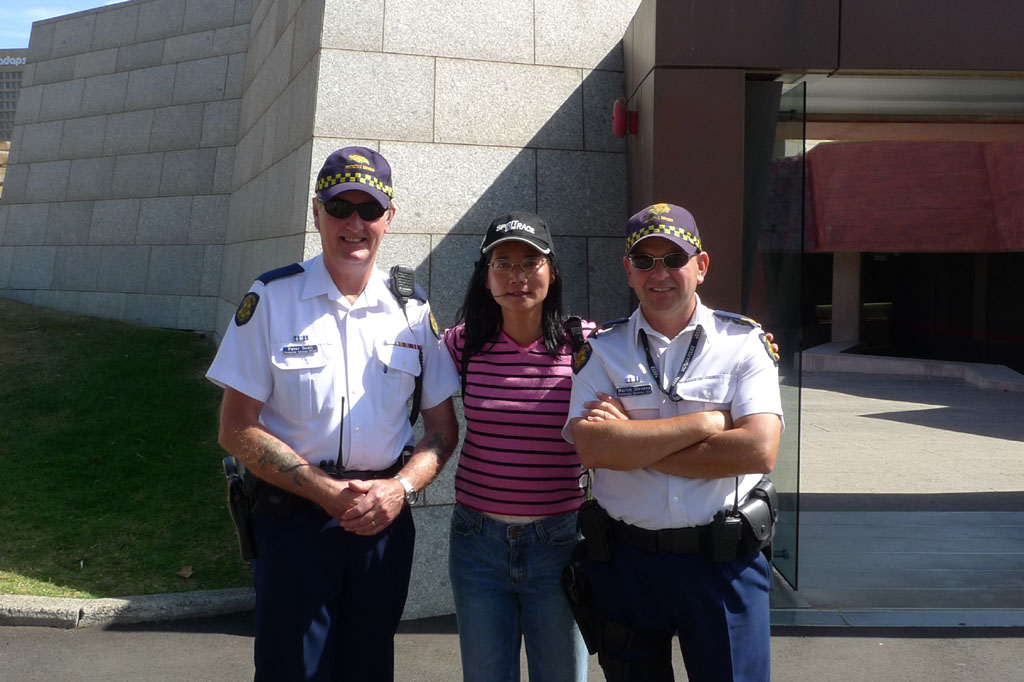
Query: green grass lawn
{"x": 110, "y": 478}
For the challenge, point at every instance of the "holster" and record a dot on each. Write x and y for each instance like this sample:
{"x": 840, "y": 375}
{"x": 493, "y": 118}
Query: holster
{"x": 581, "y": 601}
{"x": 594, "y": 523}
{"x": 606, "y": 637}
{"x": 240, "y": 506}
{"x": 759, "y": 514}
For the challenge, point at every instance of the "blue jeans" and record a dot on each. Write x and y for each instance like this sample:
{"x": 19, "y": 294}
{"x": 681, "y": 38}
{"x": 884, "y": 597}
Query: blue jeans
{"x": 507, "y": 584}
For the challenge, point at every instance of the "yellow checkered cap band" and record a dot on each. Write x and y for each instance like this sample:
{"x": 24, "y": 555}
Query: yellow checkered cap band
{"x": 362, "y": 178}
{"x": 660, "y": 228}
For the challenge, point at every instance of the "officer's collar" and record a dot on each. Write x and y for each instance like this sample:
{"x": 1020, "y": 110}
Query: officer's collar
{"x": 320, "y": 283}
{"x": 701, "y": 316}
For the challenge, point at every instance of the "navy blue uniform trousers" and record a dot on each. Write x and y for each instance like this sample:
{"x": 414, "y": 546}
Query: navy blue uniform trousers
{"x": 328, "y": 601}
{"x": 719, "y": 610}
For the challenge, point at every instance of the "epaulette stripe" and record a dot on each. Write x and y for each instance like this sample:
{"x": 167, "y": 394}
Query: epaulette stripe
{"x": 606, "y": 326}
{"x": 286, "y": 271}
{"x": 736, "y": 318}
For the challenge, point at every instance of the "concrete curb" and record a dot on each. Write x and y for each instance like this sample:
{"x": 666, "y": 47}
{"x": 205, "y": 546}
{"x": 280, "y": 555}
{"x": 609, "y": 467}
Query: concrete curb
{"x": 829, "y": 357}
{"x": 73, "y": 613}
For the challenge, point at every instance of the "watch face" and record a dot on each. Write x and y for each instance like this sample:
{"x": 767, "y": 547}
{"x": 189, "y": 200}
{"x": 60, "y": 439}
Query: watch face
{"x": 411, "y": 494}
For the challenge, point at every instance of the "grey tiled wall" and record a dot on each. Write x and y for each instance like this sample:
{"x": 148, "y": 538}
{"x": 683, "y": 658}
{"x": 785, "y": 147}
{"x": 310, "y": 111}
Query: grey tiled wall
{"x": 121, "y": 161}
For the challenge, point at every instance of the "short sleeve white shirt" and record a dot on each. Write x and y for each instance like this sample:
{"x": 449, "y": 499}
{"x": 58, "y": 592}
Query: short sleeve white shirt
{"x": 335, "y": 377}
{"x": 731, "y": 369}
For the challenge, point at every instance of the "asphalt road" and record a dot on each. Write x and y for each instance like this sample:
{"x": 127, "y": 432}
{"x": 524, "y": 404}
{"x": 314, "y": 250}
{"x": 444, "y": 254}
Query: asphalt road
{"x": 220, "y": 650}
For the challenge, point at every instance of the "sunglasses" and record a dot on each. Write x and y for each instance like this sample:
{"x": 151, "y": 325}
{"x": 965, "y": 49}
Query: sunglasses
{"x": 339, "y": 208}
{"x": 671, "y": 261}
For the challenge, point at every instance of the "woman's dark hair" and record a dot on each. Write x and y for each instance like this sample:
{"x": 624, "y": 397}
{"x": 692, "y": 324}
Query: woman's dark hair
{"x": 482, "y": 314}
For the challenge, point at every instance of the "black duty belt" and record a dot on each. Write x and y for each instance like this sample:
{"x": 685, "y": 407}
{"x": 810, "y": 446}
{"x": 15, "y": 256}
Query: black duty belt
{"x": 692, "y": 540}
{"x": 282, "y": 503}
{"x": 346, "y": 474}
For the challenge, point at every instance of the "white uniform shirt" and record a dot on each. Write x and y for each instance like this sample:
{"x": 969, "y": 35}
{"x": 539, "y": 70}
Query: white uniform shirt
{"x": 731, "y": 369}
{"x": 328, "y": 370}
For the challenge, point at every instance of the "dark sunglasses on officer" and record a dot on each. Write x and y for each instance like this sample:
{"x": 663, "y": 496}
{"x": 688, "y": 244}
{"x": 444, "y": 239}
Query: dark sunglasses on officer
{"x": 339, "y": 208}
{"x": 671, "y": 261}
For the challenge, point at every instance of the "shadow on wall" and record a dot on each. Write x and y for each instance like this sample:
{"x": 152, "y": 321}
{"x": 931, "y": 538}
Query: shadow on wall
{"x": 580, "y": 189}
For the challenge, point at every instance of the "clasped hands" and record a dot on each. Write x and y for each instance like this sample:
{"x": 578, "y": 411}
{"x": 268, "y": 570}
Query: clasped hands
{"x": 366, "y": 507}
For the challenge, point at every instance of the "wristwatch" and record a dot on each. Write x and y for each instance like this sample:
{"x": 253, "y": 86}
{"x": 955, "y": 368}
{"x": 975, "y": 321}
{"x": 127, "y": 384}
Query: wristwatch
{"x": 411, "y": 494}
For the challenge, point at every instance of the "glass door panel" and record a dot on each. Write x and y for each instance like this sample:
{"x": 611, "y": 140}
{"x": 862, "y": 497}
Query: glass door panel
{"x": 772, "y": 258}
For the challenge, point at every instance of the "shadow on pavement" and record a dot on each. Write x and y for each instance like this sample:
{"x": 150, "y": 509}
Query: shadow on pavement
{"x": 897, "y": 632}
{"x": 989, "y": 502}
{"x": 237, "y": 624}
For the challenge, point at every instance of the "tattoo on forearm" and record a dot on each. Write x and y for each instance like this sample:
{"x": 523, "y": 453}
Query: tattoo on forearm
{"x": 271, "y": 453}
{"x": 441, "y": 445}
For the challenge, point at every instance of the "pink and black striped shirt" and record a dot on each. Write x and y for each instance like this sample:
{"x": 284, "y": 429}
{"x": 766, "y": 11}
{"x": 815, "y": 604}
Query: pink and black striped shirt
{"x": 514, "y": 460}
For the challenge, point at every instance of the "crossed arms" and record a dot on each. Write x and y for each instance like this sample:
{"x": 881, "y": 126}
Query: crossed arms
{"x": 698, "y": 445}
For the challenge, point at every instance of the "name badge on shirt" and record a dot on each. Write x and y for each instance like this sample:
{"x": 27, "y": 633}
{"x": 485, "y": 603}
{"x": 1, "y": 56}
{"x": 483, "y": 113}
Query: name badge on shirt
{"x": 299, "y": 350}
{"x": 639, "y": 389}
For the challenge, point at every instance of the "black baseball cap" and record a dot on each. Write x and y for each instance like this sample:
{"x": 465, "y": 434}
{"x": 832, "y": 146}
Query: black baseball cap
{"x": 519, "y": 226}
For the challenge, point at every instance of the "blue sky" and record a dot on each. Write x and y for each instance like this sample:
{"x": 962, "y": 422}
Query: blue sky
{"x": 16, "y": 16}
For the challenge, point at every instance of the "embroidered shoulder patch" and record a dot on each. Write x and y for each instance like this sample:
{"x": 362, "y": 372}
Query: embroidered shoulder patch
{"x": 433, "y": 326}
{"x": 580, "y": 358}
{"x": 768, "y": 348}
{"x": 246, "y": 308}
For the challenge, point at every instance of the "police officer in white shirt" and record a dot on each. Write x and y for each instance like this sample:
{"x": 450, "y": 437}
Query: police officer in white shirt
{"x": 677, "y": 411}
{"x": 317, "y": 367}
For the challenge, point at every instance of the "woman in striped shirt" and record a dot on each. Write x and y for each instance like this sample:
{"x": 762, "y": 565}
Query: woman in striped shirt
{"x": 517, "y": 484}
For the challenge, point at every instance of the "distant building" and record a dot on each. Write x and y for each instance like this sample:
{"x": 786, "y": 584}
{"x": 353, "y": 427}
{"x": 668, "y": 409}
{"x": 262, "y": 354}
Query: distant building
{"x": 12, "y": 63}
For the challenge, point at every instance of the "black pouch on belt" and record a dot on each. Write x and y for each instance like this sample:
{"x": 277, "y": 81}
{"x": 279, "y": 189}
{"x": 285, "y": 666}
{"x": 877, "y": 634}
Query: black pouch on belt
{"x": 759, "y": 512}
{"x": 724, "y": 537}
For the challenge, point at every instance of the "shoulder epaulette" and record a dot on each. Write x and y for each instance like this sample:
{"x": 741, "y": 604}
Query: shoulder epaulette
{"x": 736, "y": 318}
{"x": 286, "y": 271}
{"x": 607, "y": 326}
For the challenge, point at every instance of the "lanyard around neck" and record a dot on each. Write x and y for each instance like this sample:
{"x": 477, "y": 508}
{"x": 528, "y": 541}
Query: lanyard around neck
{"x": 656, "y": 374}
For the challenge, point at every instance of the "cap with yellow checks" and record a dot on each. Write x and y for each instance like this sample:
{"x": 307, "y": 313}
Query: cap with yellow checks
{"x": 667, "y": 221}
{"x": 355, "y": 168}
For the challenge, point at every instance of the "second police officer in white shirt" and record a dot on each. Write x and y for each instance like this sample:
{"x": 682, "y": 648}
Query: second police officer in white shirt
{"x": 677, "y": 411}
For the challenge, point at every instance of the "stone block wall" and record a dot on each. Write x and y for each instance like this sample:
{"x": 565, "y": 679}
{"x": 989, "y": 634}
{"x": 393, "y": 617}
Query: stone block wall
{"x": 482, "y": 108}
{"x": 166, "y": 151}
{"x": 117, "y": 194}
{"x": 267, "y": 221}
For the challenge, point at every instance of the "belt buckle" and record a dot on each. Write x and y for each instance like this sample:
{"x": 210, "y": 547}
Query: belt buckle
{"x": 664, "y": 540}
